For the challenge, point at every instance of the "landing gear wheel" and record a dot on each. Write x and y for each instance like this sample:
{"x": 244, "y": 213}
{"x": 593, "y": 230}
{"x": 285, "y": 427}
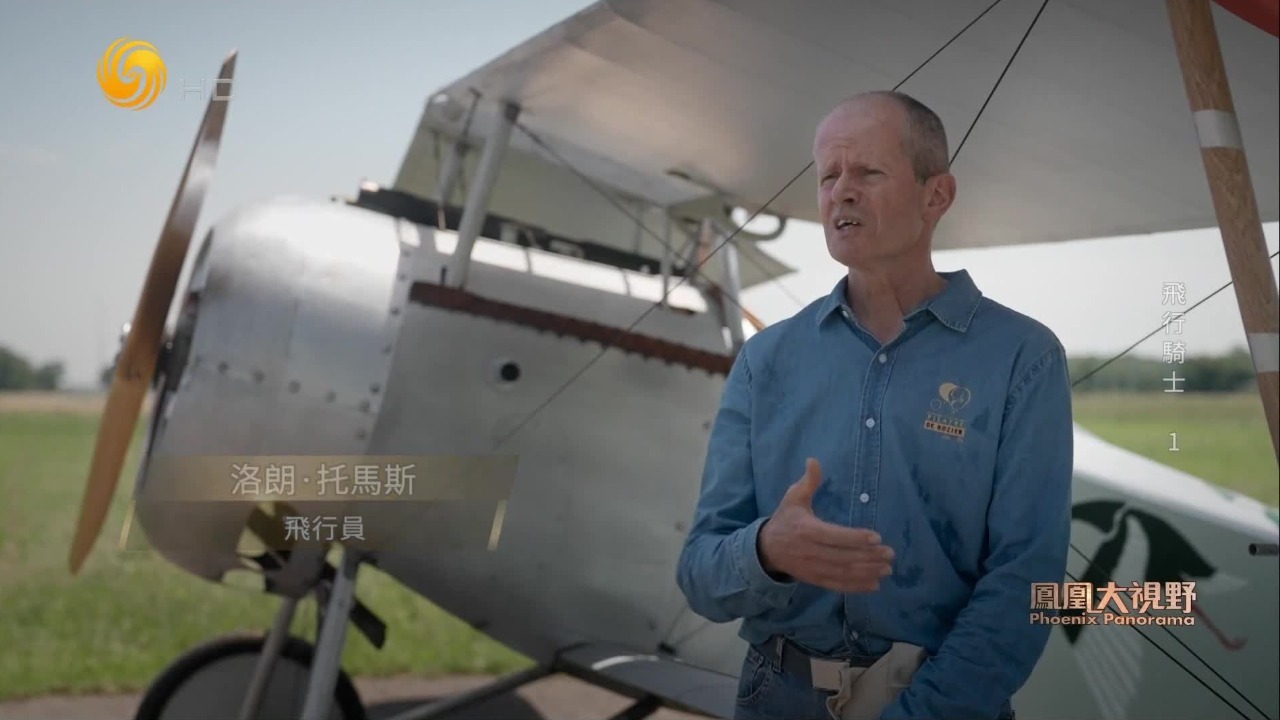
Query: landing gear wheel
{"x": 210, "y": 682}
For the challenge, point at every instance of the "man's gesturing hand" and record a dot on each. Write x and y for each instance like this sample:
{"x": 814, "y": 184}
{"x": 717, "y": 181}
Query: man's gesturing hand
{"x": 796, "y": 543}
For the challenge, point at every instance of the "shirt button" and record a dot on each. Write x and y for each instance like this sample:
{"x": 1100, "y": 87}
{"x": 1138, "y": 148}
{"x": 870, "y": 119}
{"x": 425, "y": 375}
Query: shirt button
{"x": 883, "y": 359}
{"x": 854, "y": 634}
{"x": 864, "y": 497}
{"x": 871, "y": 422}
{"x": 844, "y": 311}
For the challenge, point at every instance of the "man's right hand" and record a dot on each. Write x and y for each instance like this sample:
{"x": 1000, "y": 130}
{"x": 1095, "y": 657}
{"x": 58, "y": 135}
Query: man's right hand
{"x": 796, "y": 543}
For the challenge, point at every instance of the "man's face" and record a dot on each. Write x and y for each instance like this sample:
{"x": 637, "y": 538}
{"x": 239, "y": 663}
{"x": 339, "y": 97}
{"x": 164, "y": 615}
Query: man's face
{"x": 871, "y": 205}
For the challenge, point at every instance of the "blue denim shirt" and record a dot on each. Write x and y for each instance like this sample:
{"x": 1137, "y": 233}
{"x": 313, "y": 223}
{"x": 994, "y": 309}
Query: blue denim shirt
{"x": 953, "y": 441}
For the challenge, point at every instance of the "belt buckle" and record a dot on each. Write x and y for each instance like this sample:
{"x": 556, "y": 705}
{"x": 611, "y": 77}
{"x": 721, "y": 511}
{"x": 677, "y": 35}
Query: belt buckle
{"x": 825, "y": 674}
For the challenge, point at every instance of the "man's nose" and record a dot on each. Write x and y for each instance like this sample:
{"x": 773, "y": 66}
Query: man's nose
{"x": 846, "y": 190}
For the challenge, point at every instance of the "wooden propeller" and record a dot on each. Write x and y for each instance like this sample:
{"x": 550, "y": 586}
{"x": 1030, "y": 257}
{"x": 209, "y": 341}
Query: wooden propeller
{"x": 137, "y": 362}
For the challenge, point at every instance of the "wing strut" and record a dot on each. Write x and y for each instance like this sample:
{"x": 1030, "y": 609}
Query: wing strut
{"x": 1234, "y": 201}
{"x": 451, "y": 169}
{"x": 478, "y": 199}
{"x": 726, "y": 297}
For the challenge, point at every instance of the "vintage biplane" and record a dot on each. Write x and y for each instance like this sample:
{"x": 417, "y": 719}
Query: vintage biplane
{"x": 555, "y": 274}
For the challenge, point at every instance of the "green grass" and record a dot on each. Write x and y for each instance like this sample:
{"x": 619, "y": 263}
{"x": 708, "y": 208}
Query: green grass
{"x": 117, "y": 624}
{"x": 127, "y": 615}
{"x": 1222, "y": 437}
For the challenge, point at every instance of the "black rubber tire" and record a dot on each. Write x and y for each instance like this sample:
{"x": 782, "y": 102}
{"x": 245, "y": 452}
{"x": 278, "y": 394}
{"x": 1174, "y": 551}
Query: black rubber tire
{"x": 346, "y": 699}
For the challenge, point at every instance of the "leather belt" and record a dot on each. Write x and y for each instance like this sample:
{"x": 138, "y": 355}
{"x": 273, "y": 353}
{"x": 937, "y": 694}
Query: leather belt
{"x": 818, "y": 673}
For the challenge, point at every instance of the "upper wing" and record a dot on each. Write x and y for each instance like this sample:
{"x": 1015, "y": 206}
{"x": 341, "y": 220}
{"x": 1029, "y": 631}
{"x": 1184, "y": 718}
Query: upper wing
{"x": 1089, "y": 134}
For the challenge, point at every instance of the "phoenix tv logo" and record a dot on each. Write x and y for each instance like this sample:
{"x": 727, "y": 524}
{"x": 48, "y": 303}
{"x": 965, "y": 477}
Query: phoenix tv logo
{"x": 131, "y": 74}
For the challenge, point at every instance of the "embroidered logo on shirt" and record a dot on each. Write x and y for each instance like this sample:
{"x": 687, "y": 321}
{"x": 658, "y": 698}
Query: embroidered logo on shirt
{"x": 951, "y": 399}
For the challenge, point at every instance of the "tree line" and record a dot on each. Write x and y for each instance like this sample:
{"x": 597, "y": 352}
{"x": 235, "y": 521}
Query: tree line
{"x": 18, "y": 373}
{"x": 1231, "y": 372}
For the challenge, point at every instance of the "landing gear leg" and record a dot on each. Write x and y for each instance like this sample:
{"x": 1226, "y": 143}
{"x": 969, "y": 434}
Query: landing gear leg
{"x": 267, "y": 660}
{"x": 333, "y": 636}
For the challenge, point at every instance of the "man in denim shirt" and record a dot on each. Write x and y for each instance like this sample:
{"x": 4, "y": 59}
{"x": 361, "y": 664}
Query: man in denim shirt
{"x": 930, "y": 429}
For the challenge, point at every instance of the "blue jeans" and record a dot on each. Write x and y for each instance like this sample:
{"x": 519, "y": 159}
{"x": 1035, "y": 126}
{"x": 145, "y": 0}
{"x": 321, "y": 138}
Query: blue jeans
{"x": 765, "y": 692}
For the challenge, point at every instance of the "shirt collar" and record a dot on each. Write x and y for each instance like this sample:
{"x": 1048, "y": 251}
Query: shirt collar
{"x": 954, "y": 307}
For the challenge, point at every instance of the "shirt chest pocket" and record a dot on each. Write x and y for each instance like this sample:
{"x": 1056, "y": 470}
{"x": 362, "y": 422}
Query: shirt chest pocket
{"x": 951, "y": 454}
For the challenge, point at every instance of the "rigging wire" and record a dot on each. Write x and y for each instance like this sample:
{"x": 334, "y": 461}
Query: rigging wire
{"x": 1073, "y": 547}
{"x": 605, "y": 347}
{"x": 1146, "y": 337}
{"x": 698, "y": 265}
{"x": 617, "y": 204}
{"x": 1167, "y": 631}
{"x": 1000, "y": 79}
{"x": 1166, "y": 653}
{"x": 610, "y": 197}
{"x": 1086, "y": 558}
{"x": 697, "y": 270}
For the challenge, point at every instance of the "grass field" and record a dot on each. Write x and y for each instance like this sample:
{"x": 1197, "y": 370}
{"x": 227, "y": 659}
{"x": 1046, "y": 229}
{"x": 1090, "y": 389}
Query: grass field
{"x": 1222, "y": 438}
{"x": 115, "y": 626}
{"x": 127, "y": 615}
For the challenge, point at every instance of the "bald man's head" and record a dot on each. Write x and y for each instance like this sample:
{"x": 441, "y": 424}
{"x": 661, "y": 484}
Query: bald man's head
{"x": 883, "y": 182}
{"x": 924, "y": 139}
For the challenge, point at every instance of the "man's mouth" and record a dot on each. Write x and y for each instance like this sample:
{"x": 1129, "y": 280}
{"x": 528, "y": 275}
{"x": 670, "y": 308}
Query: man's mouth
{"x": 842, "y": 223}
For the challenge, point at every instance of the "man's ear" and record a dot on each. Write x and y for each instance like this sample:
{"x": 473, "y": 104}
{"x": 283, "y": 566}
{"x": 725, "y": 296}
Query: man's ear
{"x": 940, "y": 193}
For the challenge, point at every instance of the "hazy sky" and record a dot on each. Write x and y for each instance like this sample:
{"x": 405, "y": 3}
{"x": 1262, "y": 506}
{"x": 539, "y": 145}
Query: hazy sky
{"x": 330, "y": 94}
